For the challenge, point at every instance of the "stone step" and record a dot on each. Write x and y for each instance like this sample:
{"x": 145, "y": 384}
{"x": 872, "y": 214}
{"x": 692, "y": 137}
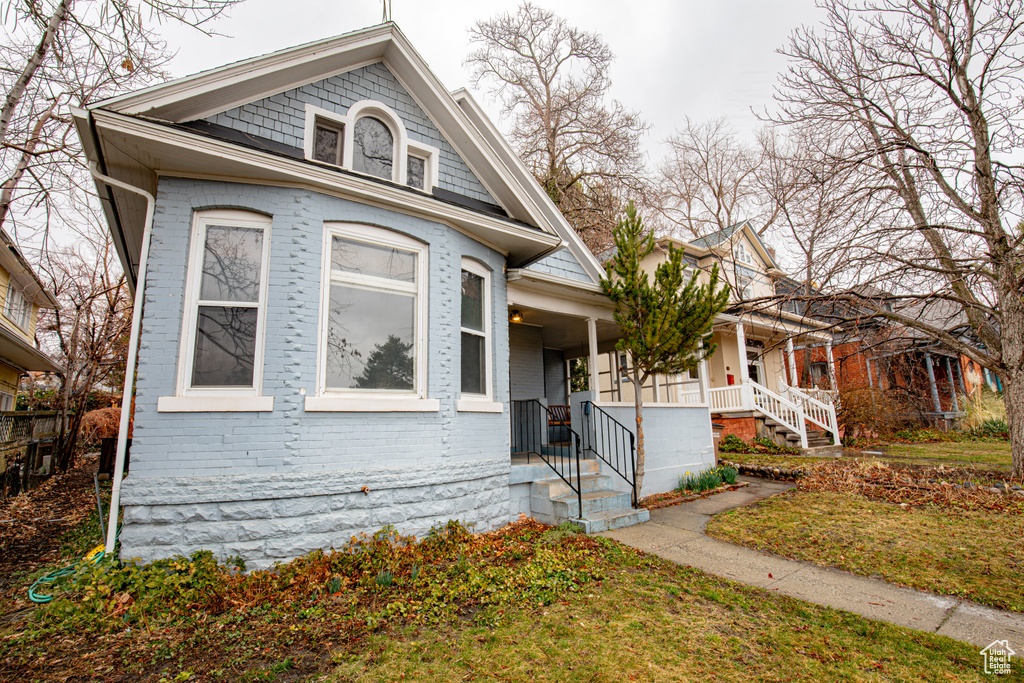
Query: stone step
{"x": 613, "y": 519}
{"x": 567, "y": 507}
{"x": 555, "y": 487}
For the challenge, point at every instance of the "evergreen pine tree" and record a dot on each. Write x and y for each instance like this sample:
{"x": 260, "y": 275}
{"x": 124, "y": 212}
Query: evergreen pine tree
{"x": 666, "y": 325}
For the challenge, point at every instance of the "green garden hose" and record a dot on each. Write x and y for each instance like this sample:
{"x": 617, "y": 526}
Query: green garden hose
{"x": 94, "y": 556}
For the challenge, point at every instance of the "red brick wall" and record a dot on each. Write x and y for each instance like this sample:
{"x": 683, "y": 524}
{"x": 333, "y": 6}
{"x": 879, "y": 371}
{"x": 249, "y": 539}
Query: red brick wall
{"x": 743, "y": 427}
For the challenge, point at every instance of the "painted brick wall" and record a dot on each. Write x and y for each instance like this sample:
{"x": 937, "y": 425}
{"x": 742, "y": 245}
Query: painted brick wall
{"x": 170, "y": 446}
{"x": 282, "y": 118}
{"x": 526, "y": 362}
{"x": 563, "y": 264}
{"x": 677, "y": 440}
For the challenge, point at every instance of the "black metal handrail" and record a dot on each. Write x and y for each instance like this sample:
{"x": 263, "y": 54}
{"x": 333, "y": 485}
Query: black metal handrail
{"x": 606, "y": 437}
{"x": 530, "y": 420}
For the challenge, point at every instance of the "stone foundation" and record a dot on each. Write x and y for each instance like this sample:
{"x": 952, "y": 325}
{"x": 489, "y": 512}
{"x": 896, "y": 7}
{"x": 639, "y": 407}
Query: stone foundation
{"x": 271, "y": 518}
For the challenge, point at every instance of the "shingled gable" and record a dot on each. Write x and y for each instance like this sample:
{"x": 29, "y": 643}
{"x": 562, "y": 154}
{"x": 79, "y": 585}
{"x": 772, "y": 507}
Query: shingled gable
{"x": 733, "y": 233}
{"x": 141, "y": 136}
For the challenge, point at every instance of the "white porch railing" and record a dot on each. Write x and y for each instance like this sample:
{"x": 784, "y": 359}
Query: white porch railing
{"x": 725, "y": 399}
{"x": 785, "y": 412}
{"x": 819, "y": 412}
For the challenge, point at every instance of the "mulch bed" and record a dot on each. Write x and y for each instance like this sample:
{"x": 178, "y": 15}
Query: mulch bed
{"x": 664, "y": 500}
{"x": 32, "y": 523}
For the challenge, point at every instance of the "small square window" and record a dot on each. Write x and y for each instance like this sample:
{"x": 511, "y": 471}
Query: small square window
{"x": 327, "y": 142}
{"x": 416, "y": 172}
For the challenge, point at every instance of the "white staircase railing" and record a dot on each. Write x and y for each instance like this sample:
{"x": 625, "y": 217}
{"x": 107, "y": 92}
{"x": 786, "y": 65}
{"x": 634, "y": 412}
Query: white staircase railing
{"x": 785, "y": 412}
{"x": 816, "y": 411}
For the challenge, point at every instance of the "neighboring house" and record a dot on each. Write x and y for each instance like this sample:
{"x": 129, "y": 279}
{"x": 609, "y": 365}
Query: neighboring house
{"x": 338, "y": 248}
{"x": 23, "y": 295}
{"x": 926, "y": 378}
{"x": 750, "y": 383}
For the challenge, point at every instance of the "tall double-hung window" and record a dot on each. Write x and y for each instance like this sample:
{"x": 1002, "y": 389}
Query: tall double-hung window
{"x": 225, "y": 311}
{"x": 372, "y": 337}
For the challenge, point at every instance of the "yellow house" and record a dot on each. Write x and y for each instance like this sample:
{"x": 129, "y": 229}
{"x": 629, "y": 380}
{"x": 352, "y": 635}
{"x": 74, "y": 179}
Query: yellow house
{"x": 750, "y": 384}
{"x": 21, "y": 296}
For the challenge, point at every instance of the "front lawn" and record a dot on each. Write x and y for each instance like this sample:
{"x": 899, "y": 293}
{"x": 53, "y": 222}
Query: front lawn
{"x": 986, "y": 453}
{"x": 525, "y": 604}
{"x": 974, "y": 553}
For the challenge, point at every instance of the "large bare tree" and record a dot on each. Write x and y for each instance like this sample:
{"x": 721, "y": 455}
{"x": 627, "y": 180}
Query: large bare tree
{"x": 709, "y": 181}
{"x": 552, "y": 81}
{"x": 58, "y": 53}
{"x": 89, "y": 332}
{"x": 926, "y": 95}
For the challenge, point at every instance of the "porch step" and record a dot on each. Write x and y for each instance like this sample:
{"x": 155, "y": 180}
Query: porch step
{"x": 556, "y": 488}
{"x": 552, "y": 501}
{"x": 615, "y": 519}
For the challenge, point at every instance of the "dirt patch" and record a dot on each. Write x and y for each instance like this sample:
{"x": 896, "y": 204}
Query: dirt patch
{"x": 32, "y": 524}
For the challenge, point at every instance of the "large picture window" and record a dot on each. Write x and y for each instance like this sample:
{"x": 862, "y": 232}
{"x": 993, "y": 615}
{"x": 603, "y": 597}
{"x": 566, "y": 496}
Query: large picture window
{"x": 225, "y": 304}
{"x": 372, "y": 337}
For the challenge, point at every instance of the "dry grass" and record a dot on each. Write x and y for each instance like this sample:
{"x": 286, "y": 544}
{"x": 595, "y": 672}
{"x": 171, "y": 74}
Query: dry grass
{"x": 971, "y": 553}
{"x": 653, "y": 621}
{"x": 979, "y": 453}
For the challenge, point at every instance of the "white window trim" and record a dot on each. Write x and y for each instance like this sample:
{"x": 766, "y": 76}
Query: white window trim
{"x": 186, "y": 353}
{"x": 215, "y": 404}
{"x": 743, "y": 255}
{"x": 403, "y": 145}
{"x": 479, "y": 402}
{"x": 22, "y": 319}
{"x": 746, "y": 291}
{"x": 373, "y": 400}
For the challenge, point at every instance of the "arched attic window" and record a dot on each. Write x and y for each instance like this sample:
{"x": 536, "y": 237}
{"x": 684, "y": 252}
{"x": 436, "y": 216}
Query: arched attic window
{"x": 370, "y": 139}
{"x": 373, "y": 148}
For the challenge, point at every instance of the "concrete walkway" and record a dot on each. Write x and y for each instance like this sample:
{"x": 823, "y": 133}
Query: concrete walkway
{"x": 677, "y": 534}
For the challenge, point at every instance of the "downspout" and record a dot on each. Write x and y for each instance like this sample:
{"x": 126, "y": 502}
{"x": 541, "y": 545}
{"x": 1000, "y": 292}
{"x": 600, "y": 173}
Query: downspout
{"x": 133, "y": 351}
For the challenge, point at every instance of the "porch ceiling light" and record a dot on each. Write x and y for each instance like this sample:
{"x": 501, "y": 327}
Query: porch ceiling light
{"x": 515, "y": 316}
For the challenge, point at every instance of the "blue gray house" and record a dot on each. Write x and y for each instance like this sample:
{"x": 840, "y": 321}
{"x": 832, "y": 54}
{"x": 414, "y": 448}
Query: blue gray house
{"x": 336, "y": 249}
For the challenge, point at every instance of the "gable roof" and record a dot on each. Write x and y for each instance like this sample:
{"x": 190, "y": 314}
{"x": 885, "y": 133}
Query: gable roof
{"x": 140, "y": 136}
{"x": 727, "y": 234}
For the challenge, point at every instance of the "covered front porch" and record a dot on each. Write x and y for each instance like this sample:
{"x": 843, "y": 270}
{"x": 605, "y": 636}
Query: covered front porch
{"x": 751, "y": 383}
{"x": 563, "y": 431}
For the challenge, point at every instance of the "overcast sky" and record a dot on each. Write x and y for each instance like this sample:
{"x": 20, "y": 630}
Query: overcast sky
{"x": 674, "y": 58}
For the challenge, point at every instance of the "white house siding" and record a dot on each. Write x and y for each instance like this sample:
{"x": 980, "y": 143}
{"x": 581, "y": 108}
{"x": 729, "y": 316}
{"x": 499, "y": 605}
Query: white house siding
{"x": 273, "y": 485}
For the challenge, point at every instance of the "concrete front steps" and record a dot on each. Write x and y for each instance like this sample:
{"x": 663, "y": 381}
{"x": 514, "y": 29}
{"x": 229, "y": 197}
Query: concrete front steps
{"x": 553, "y": 502}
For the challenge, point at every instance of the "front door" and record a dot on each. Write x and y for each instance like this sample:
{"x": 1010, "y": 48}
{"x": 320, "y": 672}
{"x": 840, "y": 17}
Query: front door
{"x": 755, "y": 366}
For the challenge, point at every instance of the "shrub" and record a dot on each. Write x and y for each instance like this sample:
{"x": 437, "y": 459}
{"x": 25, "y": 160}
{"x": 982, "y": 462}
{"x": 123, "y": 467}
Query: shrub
{"x": 732, "y": 444}
{"x": 708, "y": 479}
{"x": 991, "y": 428}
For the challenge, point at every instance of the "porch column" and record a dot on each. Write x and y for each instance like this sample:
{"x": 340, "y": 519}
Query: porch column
{"x": 867, "y": 366}
{"x": 952, "y": 384}
{"x": 794, "y": 380}
{"x": 831, "y": 366}
{"x": 931, "y": 382}
{"x": 705, "y": 382}
{"x": 592, "y": 359}
{"x": 741, "y": 342}
{"x": 959, "y": 372}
